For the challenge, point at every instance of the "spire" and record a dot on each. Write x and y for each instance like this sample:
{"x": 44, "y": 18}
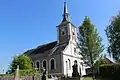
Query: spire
{"x": 65, "y": 7}
{"x": 65, "y": 14}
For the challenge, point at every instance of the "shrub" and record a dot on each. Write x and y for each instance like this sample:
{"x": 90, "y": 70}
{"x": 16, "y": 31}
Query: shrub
{"x": 110, "y": 71}
{"x": 6, "y": 74}
{"x": 28, "y": 72}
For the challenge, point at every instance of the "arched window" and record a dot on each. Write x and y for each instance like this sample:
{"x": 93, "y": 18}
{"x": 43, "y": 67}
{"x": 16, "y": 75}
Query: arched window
{"x": 44, "y": 64}
{"x": 52, "y": 64}
{"x": 66, "y": 68}
{"x": 69, "y": 64}
{"x": 38, "y": 65}
{"x": 80, "y": 70}
{"x": 63, "y": 32}
{"x": 32, "y": 64}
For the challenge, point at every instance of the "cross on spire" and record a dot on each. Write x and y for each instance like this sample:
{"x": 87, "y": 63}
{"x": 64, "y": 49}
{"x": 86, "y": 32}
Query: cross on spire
{"x": 65, "y": 14}
{"x": 65, "y": 7}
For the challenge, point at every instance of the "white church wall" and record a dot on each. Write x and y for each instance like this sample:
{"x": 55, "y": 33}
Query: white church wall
{"x": 68, "y": 71}
{"x": 68, "y": 53}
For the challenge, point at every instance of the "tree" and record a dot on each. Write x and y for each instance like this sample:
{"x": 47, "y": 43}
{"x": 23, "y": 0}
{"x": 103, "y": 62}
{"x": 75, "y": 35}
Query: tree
{"x": 89, "y": 42}
{"x": 23, "y": 61}
{"x": 113, "y": 35}
{"x": 100, "y": 61}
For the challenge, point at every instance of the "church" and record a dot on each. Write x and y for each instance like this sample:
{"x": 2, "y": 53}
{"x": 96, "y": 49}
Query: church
{"x": 59, "y": 56}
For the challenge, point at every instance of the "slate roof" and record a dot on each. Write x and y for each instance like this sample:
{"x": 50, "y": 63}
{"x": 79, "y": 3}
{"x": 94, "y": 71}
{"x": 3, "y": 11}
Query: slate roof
{"x": 48, "y": 49}
{"x": 107, "y": 61}
{"x": 58, "y": 49}
{"x": 29, "y": 51}
{"x": 66, "y": 22}
{"x": 45, "y": 47}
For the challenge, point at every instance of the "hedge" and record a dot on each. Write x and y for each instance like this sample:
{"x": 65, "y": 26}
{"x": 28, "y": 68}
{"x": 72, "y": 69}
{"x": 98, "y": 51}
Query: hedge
{"x": 110, "y": 71}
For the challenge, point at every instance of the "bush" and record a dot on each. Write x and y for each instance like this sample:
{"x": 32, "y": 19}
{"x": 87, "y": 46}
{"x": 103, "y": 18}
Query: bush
{"x": 23, "y": 61}
{"x": 6, "y": 74}
{"x": 110, "y": 71}
{"x": 28, "y": 72}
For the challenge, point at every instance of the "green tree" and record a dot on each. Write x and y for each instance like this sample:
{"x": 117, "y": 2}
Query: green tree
{"x": 99, "y": 61}
{"x": 23, "y": 61}
{"x": 113, "y": 35}
{"x": 89, "y": 42}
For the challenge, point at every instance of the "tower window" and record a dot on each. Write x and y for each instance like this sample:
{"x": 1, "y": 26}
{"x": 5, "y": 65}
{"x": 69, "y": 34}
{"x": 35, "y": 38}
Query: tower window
{"x": 63, "y": 31}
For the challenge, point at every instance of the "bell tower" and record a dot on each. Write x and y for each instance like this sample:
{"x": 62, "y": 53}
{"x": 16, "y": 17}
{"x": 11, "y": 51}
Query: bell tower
{"x": 66, "y": 31}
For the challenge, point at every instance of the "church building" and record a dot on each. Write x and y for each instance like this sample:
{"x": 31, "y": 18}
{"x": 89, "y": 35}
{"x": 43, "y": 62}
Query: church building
{"x": 59, "y": 56}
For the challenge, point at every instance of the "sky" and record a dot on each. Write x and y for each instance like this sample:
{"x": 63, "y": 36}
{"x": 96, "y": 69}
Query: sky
{"x": 26, "y": 24}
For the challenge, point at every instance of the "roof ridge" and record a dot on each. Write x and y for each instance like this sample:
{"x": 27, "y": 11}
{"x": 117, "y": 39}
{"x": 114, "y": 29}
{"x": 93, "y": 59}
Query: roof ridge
{"x": 45, "y": 44}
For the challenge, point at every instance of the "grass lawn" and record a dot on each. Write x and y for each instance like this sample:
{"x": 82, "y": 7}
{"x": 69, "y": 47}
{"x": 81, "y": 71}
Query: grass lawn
{"x": 88, "y": 78}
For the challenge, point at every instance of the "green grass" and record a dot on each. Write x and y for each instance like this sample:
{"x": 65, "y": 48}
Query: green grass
{"x": 88, "y": 78}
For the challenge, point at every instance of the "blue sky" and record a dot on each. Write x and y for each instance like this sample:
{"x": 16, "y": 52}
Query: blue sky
{"x": 25, "y": 24}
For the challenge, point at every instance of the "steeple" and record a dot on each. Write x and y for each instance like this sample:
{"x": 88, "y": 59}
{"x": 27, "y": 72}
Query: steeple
{"x": 65, "y": 14}
{"x": 66, "y": 31}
